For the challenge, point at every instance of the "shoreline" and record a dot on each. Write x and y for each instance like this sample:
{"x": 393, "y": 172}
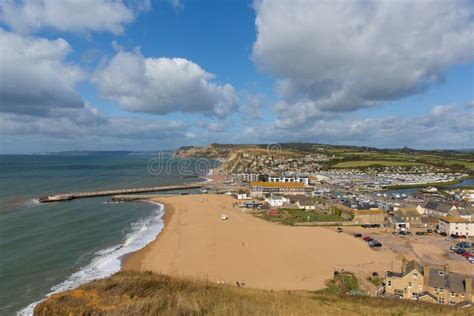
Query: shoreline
{"x": 196, "y": 243}
{"x": 134, "y": 259}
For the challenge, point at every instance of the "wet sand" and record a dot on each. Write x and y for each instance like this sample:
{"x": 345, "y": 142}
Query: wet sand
{"x": 195, "y": 242}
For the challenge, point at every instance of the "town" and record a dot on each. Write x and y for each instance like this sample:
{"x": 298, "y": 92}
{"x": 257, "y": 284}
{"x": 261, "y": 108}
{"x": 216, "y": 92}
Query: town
{"x": 424, "y": 213}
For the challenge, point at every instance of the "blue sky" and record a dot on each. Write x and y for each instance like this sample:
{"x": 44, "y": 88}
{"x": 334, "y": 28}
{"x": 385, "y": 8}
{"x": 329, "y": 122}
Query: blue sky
{"x": 148, "y": 75}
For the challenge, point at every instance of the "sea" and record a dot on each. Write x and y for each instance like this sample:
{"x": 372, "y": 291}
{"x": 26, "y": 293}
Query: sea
{"x": 51, "y": 247}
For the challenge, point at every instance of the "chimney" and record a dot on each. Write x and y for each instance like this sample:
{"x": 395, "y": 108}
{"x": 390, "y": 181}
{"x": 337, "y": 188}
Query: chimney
{"x": 404, "y": 265}
{"x": 468, "y": 284}
{"x": 446, "y": 269}
{"x": 426, "y": 275}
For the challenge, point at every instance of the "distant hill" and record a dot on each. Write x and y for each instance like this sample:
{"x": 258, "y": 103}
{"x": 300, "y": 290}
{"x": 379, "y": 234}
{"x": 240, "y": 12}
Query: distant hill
{"x": 445, "y": 160}
{"x": 145, "y": 293}
{"x": 104, "y": 152}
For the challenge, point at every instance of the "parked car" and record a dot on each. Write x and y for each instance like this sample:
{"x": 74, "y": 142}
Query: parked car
{"x": 358, "y": 235}
{"x": 466, "y": 255}
{"x": 430, "y": 231}
{"x": 419, "y": 233}
{"x": 339, "y": 230}
{"x": 463, "y": 244}
{"x": 470, "y": 259}
{"x": 460, "y": 251}
{"x": 375, "y": 244}
{"x": 367, "y": 238}
{"x": 366, "y": 226}
{"x": 454, "y": 248}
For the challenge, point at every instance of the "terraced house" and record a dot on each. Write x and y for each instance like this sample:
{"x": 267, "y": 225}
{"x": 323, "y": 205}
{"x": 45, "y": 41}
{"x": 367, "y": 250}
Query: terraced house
{"x": 429, "y": 284}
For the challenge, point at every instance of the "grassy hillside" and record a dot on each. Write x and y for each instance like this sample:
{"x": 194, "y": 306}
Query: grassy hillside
{"x": 131, "y": 293}
{"x": 343, "y": 156}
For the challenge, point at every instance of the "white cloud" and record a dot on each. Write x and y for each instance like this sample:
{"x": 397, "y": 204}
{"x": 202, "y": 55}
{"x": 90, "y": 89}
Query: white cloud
{"x": 340, "y": 56}
{"x": 470, "y": 104}
{"x": 253, "y": 106}
{"x": 70, "y": 15}
{"x": 89, "y": 122}
{"x": 443, "y": 127}
{"x": 34, "y": 76}
{"x": 215, "y": 127}
{"x": 176, "y": 4}
{"x": 163, "y": 85}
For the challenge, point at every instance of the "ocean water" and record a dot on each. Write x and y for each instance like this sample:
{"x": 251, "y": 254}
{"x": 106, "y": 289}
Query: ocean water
{"x": 46, "y": 248}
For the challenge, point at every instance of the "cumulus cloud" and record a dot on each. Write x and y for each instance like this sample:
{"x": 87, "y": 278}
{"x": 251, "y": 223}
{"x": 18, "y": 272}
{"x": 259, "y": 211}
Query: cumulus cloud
{"x": 470, "y": 104}
{"x": 340, "y": 56}
{"x": 70, "y": 15}
{"x": 215, "y": 127}
{"x": 163, "y": 85}
{"x": 445, "y": 126}
{"x": 89, "y": 122}
{"x": 253, "y": 106}
{"x": 35, "y": 78}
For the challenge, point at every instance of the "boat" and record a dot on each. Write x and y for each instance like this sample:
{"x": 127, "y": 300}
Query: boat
{"x": 204, "y": 190}
{"x": 224, "y": 217}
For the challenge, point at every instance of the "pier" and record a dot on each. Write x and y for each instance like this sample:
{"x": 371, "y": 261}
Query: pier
{"x": 82, "y": 195}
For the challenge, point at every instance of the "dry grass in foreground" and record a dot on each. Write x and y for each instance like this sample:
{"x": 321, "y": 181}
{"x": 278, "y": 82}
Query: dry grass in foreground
{"x": 144, "y": 293}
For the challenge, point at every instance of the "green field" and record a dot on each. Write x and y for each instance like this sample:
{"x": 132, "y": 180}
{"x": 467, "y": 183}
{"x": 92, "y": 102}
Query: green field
{"x": 369, "y": 163}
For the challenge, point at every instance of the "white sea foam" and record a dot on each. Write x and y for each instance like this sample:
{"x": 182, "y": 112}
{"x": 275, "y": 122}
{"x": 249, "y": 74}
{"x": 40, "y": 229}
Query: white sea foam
{"x": 32, "y": 203}
{"x": 108, "y": 261}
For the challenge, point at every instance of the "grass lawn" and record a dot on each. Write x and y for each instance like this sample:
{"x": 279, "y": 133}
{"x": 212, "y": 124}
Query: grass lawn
{"x": 368, "y": 163}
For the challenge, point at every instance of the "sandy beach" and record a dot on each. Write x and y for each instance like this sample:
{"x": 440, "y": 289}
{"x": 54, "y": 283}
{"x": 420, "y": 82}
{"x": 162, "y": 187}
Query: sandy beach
{"x": 195, "y": 242}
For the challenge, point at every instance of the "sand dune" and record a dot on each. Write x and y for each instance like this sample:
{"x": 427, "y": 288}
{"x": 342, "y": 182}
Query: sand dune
{"x": 196, "y": 242}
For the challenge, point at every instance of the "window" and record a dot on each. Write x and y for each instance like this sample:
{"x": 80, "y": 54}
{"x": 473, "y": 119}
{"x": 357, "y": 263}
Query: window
{"x": 440, "y": 300}
{"x": 441, "y": 290}
{"x": 452, "y": 303}
{"x": 452, "y": 294}
{"x": 441, "y": 272}
{"x": 415, "y": 274}
{"x": 414, "y": 296}
{"x": 409, "y": 285}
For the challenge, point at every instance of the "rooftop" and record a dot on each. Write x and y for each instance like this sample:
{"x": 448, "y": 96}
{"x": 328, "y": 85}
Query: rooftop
{"x": 277, "y": 184}
{"x": 453, "y": 219}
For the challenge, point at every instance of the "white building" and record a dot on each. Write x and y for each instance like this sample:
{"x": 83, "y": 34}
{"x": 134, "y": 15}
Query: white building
{"x": 277, "y": 200}
{"x": 250, "y": 177}
{"x": 242, "y": 196}
{"x": 456, "y": 225}
{"x": 292, "y": 178}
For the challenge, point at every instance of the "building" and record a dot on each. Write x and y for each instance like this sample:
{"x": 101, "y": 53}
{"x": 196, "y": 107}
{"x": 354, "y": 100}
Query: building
{"x": 286, "y": 188}
{"x": 305, "y": 203}
{"x": 249, "y": 177}
{"x": 277, "y": 200}
{"x": 292, "y": 178}
{"x": 375, "y": 216}
{"x": 456, "y": 226}
{"x": 466, "y": 213}
{"x": 242, "y": 196}
{"x": 407, "y": 217}
{"x": 429, "y": 284}
{"x": 436, "y": 208}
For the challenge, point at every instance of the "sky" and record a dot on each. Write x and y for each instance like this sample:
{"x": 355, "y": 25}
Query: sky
{"x": 160, "y": 74}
